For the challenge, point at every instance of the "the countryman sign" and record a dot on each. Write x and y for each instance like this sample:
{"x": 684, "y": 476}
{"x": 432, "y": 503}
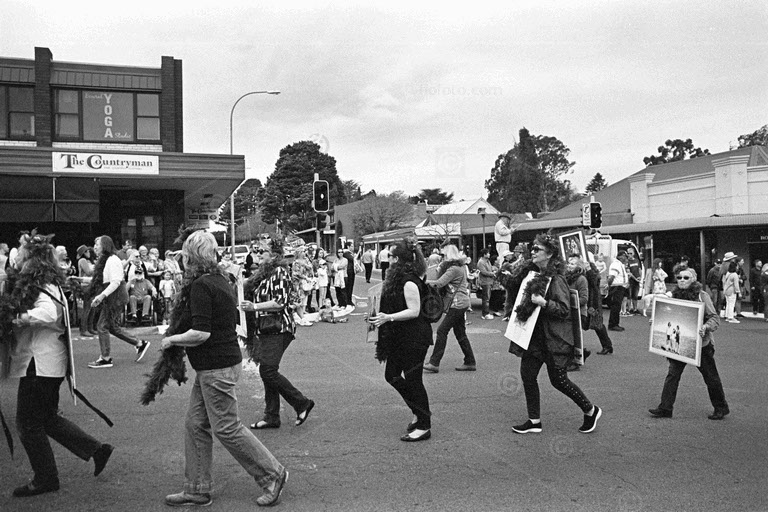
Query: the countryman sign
{"x": 104, "y": 163}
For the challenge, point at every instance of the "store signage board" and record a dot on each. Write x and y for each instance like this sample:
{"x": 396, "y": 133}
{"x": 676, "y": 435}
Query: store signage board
{"x": 104, "y": 163}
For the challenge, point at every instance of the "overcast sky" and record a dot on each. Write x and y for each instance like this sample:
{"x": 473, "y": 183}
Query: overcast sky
{"x": 412, "y": 95}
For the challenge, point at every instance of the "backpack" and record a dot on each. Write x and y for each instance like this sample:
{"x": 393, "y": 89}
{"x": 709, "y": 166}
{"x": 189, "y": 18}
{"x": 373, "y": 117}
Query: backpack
{"x": 432, "y": 306}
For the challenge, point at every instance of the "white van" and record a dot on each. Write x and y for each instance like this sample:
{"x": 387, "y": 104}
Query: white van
{"x": 609, "y": 247}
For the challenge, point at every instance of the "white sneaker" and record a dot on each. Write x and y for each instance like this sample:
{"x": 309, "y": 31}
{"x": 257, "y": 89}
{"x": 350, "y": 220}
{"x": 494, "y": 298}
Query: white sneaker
{"x": 488, "y": 317}
{"x": 732, "y": 321}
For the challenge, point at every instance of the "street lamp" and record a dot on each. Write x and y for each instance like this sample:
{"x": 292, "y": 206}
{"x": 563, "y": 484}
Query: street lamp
{"x": 481, "y": 213}
{"x": 231, "y": 152}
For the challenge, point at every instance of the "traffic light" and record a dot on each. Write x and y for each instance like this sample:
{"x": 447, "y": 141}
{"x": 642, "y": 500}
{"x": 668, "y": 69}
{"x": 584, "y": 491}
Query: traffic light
{"x": 322, "y": 221}
{"x": 595, "y": 215}
{"x": 320, "y": 196}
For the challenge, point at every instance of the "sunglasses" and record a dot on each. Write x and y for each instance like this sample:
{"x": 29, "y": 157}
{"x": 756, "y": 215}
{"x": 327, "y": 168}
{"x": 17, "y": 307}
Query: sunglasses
{"x": 536, "y": 248}
{"x": 683, "y": 278}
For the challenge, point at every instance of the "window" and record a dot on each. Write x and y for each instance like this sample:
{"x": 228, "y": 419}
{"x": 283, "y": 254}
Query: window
{"x": 106, "y": 116}
{"x": 67, "y": 114}
{"x": 17, "y": 112}
{"x": 147, "y": 117}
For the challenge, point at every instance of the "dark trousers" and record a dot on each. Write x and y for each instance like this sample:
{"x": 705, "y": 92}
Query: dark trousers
{"x": 350, "y": 286}
{"x": 615, "y": 298}
{"x": 404, "y": 373}
{"x": 529, "y": 372}
{"x": 85, "y": 317}
{"x": 509, "y": 303}
{"x": 454, "y": 319}
{"x": 708, "y": 370}
{"x": 271, "y": 351}
{"x": 758, "y": 302}
{"x": 605, "y": 340}
{"x": 37, "y": 418}
{"x": 368, "y": 271}
{"x": 109, "y": 323}
{"x": 384, "y": 265}
{"x": 485, "y": 291}
{"x": 341, "y": 297}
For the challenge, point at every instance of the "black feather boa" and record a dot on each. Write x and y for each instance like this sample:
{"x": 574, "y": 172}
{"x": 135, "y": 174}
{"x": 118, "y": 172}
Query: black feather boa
{"x": 537, "y": 285}
{"x": 24, "y": 290}
{"x": 690, "y": 293}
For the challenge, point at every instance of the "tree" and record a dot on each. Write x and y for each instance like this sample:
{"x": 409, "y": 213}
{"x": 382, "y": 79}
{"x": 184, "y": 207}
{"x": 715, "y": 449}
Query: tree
{"x": 352, "y": 190}
{"x": 674, "y": 151}
{"x": 598, "y": 183}
{"x": 247, "y": 199}
{"x": 757, "y": 138}
{"x": 288, "y": 192}
{"x": 528, "y": 178}
{"x": 432, "y": 196}
{"x": 382, "y": 213}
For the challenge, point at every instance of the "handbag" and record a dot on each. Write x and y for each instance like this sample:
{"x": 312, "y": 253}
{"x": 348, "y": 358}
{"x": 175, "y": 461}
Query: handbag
{"x": 271, "y": 322}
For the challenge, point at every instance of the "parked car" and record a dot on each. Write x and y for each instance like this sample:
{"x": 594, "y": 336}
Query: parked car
{"x": 241, "y": 252}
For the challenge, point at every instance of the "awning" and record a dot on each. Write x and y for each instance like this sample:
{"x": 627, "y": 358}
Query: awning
{"x": 726, "y": 221}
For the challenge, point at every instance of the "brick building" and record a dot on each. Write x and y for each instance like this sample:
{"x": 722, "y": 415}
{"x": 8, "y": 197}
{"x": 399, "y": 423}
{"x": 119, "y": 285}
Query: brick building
{"x": 88, "y": 149}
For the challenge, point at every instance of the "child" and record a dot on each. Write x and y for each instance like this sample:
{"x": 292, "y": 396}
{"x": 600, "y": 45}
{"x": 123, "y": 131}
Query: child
{"x": 322, "y": 281}
{"x": 167, "y": 291}
{"x": 326, "y": 314}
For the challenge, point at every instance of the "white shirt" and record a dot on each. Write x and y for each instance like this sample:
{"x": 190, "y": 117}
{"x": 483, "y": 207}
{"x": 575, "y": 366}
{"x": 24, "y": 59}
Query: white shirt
{"x": 322, "y": 277}
{"x": 384, "y": 256}
{"x": 40, "y": 339}
{"x": 113, "y": 270}
{"x": 619, "y": 272}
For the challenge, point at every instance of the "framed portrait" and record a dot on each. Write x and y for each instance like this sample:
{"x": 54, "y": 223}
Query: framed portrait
{"x": 675, "y": 329}
{"x": 573, "y": 243}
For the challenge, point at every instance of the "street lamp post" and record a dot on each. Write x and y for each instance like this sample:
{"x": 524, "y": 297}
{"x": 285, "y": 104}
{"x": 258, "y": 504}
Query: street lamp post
{"x": 231, "y": 152}
{"x": 481, "y": 212}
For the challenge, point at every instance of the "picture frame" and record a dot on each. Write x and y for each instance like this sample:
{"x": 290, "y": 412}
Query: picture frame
{"x": 573, "y": 242}
{"x": 675, "y": 325}
{"x": 520, "y": 332}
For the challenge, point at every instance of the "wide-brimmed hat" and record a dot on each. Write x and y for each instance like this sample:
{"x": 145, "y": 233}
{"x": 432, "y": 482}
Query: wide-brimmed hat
{"x": 729, "y": 256}
{"x": 81, "y": 250}
{"x": 505, "y": 214}
{"x": 506, "y": 253}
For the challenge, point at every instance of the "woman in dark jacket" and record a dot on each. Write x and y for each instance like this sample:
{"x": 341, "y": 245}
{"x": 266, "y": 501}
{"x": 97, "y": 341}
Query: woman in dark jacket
{"x": 209, "y": 337}
{"x": 552, "y": 339}
{"x": 688, "y": 288}
{"x": 452, "y": 275}
{"x": 576, "y": 277}
{"x": 404, "y": 336}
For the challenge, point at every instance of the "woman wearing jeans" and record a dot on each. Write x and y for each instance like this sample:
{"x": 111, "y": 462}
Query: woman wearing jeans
{"x": 453, "y": 276}
{"x": 213, "y": 351}
{"x": 404, "y": 336}
{"x": 108, "y": 279}
{"x": 552, "y": 339}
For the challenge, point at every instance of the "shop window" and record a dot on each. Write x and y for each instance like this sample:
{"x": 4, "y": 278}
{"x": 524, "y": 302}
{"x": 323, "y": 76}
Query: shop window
{"x": 17, "y": 112}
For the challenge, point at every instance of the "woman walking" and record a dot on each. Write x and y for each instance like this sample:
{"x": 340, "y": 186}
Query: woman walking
{"x": 552, "y": 338}
{"x": 453, "y": 277}
{"x": 41, "y": 360}
{"x": 85, "y": 269}
{"x": 404, "y": 336}
{"x": 688, "y": 288}
{"x": 271, "y": 285}
{"x": 108, "y": 281}
{"x": 211, "y": 346}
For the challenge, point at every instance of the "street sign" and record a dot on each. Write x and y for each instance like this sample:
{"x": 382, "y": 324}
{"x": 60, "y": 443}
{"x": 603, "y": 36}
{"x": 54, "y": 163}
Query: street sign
{"x": 585, "y": 214}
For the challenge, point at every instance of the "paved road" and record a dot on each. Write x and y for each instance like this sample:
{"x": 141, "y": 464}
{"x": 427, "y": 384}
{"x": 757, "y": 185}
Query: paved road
{"x": 348, "y": 455}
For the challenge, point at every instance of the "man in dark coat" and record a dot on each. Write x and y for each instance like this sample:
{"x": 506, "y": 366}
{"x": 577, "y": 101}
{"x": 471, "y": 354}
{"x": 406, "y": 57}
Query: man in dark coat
{"x": 350, "y": 283}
